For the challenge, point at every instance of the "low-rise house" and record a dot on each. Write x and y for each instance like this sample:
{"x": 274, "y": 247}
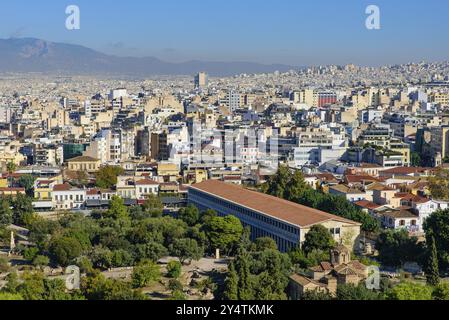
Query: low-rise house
{"x": 368, "y": 206}
{"x": 398, "y": 219}
{"x": 43, "y": 189}
{"x": 351, "y": 194}
{"x": 13, "y": 192}
{"x": 384, "y": 195}
{"x": 169, "y": 172}
{"x": 145, "y": 188}
{"x": 84, "y": 163}
{"x": 65, "y": 197}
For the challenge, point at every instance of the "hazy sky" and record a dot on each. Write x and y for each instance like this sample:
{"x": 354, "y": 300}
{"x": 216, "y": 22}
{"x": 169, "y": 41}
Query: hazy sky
{"x": 295, "y": 32}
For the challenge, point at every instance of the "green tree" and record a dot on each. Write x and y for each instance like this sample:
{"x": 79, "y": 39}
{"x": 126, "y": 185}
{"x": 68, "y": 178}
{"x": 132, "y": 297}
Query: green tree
{"x": 40, "y": 261}
{"x": 96, "y": 287}
{"x": 277, "y": 184}
{"x": 245, "y": 290}
{"x": 175, "y": 285}
{"x": 117, "y": 209}
{"x": 189, "y": 215}
{"x": 145, "y": 273}
{"x": 30, "y": 253}
{"x": 4, "y": 264}
{"x": 265, "y": 243}
{"x": 231, "y": 289}
{"x": 64, "y": 250}
{"x": 271, "y": 270}
{"x": 207, "y": 216}
{"x": 295, "y": 187}
{"x": 12, "y": 282}
{"x": 4, "y": 296}
{"x": 186, "y": 250}
{"x": 397, "y": 247}
{"x": 153, "y": 206}
{"x": 101, "y": 257}
{"x": 432, "y": 268}
{"x": 224, "y": 233}
{"x": 11, "y": 167}
{"x": 27, "y": 181}
{"x": 437, "y": 226}
{"x": 23, "y": 210}
{"x": 6, "y": 213}
{"x": 415, "y": 159}
{"x": 358, "y": 293}
{"x": 315, "y": 295}
{"x": 441, "y": 292}
{"x": 318, "y": 238}
{"x": 178, "y": 296}
{"x": 439, "y": 184}
{"x": 174, "y": 269}
{"x": 410, "y": 291}
{"x": 106, "y": 177}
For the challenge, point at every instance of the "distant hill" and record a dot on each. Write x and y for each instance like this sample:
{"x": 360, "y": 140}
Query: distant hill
{"x": 35, "y": 55}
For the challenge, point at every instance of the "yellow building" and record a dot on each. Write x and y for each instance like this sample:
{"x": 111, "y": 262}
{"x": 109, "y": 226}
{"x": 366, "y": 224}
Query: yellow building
{"x": 5, "y": 192}
{"x": 84, "y": 163}
{"x": 169, "y": 170}
{"x": 43, "y": 189}
{"x": 4, "y": 182}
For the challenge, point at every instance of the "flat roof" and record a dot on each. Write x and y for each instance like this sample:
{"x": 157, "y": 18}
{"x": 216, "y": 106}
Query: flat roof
{"x": 277, "y": 208}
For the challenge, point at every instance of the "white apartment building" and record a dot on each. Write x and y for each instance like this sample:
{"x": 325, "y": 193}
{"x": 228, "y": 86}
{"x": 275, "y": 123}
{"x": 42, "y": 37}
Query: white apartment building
{"x": 318, "y": 146}
{"x": 64, "y": 197}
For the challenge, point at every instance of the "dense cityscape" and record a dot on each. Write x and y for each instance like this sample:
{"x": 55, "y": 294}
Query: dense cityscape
{"x": 260, "y": 186}
{"x": 211, "y": 159}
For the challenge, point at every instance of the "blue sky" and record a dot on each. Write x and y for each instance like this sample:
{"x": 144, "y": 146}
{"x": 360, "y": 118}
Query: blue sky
{"x": 293, "y": 32}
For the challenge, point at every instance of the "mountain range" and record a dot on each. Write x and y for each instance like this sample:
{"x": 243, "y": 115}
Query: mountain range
{"x": 21, "y": 55}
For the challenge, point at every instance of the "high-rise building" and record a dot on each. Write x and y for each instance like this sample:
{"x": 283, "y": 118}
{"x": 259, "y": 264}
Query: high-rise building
{"x": 201, "y": 80}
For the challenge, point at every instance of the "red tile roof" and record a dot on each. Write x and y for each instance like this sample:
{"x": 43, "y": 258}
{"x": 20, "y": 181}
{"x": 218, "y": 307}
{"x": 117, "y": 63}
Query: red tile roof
{"x": 404, "y": 170}
{"x": 367, "y": 204}
{"x": 12, "y": 189}
{"x": 360, "y": 178}
{"x": 287, "y": 211}
{"x": 146, "y": 182}
{"x": 62, "y": 187}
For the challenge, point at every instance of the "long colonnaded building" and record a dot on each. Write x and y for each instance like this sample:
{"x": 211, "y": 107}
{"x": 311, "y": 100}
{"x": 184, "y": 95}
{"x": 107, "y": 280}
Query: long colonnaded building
{"x": 284, "y": 221}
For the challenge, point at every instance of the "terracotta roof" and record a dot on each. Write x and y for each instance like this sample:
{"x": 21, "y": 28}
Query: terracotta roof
{"x": 411, "y": 198}
{"x": 287, "y": 211}
{"x": 83, "y": 159}
{"x": 93, "y": 192}
{"x": 12, "y": 189}
{"x": 326, "y": 265}
{"x": 360, "y": 178}
{"x": 345, "y": 189}
{"x": 367, "y": 204}
{"x": 305, "y": 281}
{"x": 326, "y": 177}
{"x": 399, "y": 214}
{"x": 146, "y": 182}
{"x": 62, "y": 187}
{"x": 405, "y": 170}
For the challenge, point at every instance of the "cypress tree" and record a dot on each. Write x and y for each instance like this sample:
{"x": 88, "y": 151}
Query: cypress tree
{"x": 245, "y": 291}
{"x": 433, "y": 273}
{"x": 231, "y": 284}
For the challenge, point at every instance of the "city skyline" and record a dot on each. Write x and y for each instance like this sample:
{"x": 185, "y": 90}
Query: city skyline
{"x": 298, "y": 34}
